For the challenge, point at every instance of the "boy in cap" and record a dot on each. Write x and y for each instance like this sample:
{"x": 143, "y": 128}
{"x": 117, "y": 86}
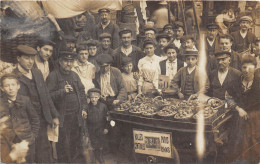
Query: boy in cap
{"x": 243, "y": 38}
{"x": 186, "y": 81}
{"x": 127, "y": 50}
{"x": 172, "y": 64}
{"x": 45, "y": 50}
{"x": 105, "y": 39}
{"x": 23, "y": 121}
{"x": 32, "y": 85}
{"x": 68, "y": 95}
{"x": 163, "y": 41}
{"x": 106, "y": 26}
{"x": 97, "y": 114}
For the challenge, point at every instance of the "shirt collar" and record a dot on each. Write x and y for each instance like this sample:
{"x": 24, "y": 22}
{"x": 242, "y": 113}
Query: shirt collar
{"x": 104, "y": 26}
{"x": 24, "y": 72}
{"x": 174, "y": 61}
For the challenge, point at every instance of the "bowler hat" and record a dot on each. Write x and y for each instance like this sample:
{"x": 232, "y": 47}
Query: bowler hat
{"x": 190, "y": 53}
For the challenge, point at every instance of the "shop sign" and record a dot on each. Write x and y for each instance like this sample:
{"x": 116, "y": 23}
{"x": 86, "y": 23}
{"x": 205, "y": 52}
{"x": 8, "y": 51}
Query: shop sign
{"x": 153, "y": 143}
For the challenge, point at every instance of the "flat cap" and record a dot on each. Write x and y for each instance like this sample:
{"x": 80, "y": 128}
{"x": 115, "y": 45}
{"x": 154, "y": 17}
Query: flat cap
{"x": 124, "y": 31}
{"x": 26, "y": 50}
{"x": 190, "y": 53}
{"x": 148, "y": 41}
{"x": 150, "y": 28}
{"x": 159, "y": 36}
{"x": 92, "y": 42}
{"x": 95, "y": 90}
{"x": 106, "y": 10}
{"x": 104, "y": 35}
{"x": 167, "y": 26}
{"x": 222, "y": 54}
{"x": 126, "y": 60}
{"x": 69, "y": 38}
{"x": 178, "y": 24}
{"x": 246, "y": 18}
{"x": 104, "y": 59}
{"x": 187, "y": 37}
{"x": 212, "y": 26}
{"x": 67, "y": 55}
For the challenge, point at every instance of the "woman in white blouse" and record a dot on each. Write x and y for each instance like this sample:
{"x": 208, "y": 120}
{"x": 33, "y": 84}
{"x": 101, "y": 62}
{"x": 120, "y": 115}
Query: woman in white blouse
{"x": 149, "y": 69}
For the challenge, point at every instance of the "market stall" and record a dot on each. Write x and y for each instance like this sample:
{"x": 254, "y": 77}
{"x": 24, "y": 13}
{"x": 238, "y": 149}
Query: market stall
{"x": 165, "y": 129}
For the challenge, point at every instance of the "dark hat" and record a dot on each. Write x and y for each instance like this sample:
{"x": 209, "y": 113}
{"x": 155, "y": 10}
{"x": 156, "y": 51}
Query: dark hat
{"x": 124, "y": 31}
{"x": 159, "y": 36}
{"x": 212, "y": 26}
{"x": 104, "y": 58}
{"x": 126, "y": 60}
{"x": 186, "y": 37}
{"x": 178, "y": 24}
{"x": 69, "y": 38}
{"x": 167, "y": 26}
{"x": 148, "y": 41}
{"x": 246, "y": 18}
{"x": 227, "y": 36}
{"x": 43, "y": 42}
{"x": 106, "y": 10}
{"x": 92, "y": 42}
{"x": 170, "y": 46}
{"x": 26, "y": 50}
{"x": 95, "y": 90}
{"x": 150, "y": 28}
{"x": 222, "y": 54}
{"x": 67, "y": 55}
{"x": 190, "y": 53}
{"x": 104, "y": 35}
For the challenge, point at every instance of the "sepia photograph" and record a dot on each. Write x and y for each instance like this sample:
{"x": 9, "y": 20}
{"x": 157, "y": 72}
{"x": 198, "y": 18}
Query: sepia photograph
{"x": 130, "y": 81}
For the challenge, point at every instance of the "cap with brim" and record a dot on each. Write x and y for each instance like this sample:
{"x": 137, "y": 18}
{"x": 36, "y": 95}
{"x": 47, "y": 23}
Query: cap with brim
{"x": 124, "y": 31}
{"x": 104, "y": 59}
{"x": 222, "y": 54}
{"x": 246, "y": 18}
{"x": 67, "y": 55}
{"x": 104, "y": 35}
{"x": 148, "y": 41}
{"x": 187, "y": 37}
{"x": 167, "y": 26}
{"x": 94, "y": 90}
{"x": 159, "y": 36}
{"x": 126, "y": 60}
{"x": 150, "y": 28}
{"x": 69, "y": 38}
{"x": 92, "y": 42}
{"x": 106, "y": 10}
{"x": 190, "y": 53}
{"x": 26, "y": 50}
{"x": 212, "y": 26}
{"x": 178, "y": 24}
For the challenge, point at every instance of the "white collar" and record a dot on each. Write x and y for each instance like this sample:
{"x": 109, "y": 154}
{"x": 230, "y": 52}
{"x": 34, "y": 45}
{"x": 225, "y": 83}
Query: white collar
{"x": 191, "y": 70}
{"x": 127, "y": 51}
{"x": 211, "y": 42}
{"x": 174, "y": 61}
{"x": 105, "y": 25}
{"x": 243, "y": 34}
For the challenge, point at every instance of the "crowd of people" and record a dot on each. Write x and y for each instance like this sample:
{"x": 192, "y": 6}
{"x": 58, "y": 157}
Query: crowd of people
{"x": 97, "y": 70}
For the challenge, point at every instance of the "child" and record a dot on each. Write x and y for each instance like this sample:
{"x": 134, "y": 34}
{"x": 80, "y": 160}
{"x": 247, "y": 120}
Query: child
{"x": 23, "y": 121}
{"x": 130, "y": 78}
{"x": 97, "y": 113}
{"x": 186, "y": 81}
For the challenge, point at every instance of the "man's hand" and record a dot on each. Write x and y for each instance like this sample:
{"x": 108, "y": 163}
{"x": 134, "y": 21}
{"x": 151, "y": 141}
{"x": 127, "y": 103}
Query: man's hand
{"x": 68, "y": 88}
{"x": 180, "y": 95}
{"x": 105, "y": 131}
{"x": 84, "y": 114}
{"x": 55, "y": 123}
{"x": 116, "y": 102}
{"x": 242, "y": 113}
